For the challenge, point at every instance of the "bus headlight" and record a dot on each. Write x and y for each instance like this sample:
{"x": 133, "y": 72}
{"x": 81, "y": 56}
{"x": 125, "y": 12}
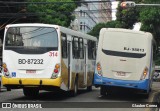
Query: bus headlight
{"x": 56, "y": 71}
{"x": 5, "y": 70}
{"x": 99, "y": 69}
{"x": 144, "y": 74}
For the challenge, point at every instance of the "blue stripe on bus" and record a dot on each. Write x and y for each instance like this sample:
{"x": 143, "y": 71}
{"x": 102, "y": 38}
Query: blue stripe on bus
{"x": 142, "y": 84}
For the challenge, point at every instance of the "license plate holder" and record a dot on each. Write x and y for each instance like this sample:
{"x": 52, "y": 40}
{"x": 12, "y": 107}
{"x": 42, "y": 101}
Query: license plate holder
{"x": 121, "y": 74}
{"x": 31, "y": 71}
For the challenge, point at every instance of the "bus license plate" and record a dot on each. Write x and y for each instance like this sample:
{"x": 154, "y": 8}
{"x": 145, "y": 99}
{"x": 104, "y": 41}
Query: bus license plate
{"x": 31, "y": 71}
{"x": 121, "y": 74}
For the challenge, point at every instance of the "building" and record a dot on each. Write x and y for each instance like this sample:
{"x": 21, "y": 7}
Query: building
{"x": 91, "y": 13}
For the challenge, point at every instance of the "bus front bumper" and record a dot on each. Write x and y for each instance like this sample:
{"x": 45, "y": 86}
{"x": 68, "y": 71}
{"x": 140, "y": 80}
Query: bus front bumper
{"x": 141, "y": 84}
{"x": 31, "y": 82}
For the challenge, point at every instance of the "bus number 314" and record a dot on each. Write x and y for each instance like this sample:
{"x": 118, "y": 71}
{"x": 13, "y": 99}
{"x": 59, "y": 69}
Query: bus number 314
{"x": 30, "y": 61}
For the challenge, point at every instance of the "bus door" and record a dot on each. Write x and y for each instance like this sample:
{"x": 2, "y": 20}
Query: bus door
{"x": 69, "y": 64}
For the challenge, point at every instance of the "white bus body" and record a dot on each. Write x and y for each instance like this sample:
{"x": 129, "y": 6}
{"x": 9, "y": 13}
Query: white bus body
{"x": 124, "y": 59}
{"x": 49, "y": 57}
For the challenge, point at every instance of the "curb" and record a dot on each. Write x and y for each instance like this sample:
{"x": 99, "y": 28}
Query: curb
{"x": 155, "y": 98}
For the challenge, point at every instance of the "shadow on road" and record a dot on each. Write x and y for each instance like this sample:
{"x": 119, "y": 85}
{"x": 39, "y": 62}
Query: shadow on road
{"x": 51, "y": 96}
{"x": 124, "y": 95}
{"x": 84, "y": 96}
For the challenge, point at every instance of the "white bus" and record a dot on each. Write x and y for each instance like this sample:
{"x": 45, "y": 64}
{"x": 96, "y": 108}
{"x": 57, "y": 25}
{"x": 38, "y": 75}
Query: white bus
{"x": 124, "y": 60}
{"x": 47, "y": 57}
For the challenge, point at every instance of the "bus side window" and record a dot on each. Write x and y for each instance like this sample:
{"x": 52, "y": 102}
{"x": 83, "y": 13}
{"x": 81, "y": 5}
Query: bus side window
{"x": 81, "y": 50}
{"x": 75, "y": 48}
{"x": 91, "y": 49}
{"x": 64, "y": 45}
{"x": 94, "y": 50}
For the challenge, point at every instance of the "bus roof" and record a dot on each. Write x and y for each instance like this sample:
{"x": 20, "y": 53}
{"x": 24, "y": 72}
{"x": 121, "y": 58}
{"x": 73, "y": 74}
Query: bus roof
{"x": 63, "y": 29}
{"x": 148, "y": 34}
{"x": 126, "y": 30}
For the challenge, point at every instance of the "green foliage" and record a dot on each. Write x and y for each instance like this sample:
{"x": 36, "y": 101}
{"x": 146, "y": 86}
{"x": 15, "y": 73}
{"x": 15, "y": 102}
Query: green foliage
{"x": 126, "y": 17}
{"x": 149, "y": 16}
{"x": 95, "y": 31}
{"x": 60, "y": 14}
{"x": 150, "y": 20}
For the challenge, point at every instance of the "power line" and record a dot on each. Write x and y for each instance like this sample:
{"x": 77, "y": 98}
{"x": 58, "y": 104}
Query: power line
{"x": 32, "y": 15}
{"x": 101, "y": 10}
{"x": 10, "y": 2}
{"x": 13, "y": 15}
{"x": 65, "y": 12}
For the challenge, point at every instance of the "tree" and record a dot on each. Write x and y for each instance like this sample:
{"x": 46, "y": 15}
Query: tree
{"x": 126, "y": 16}
{"x": 95, "y": 31}
{"x": 149, "y": 16}
{"x": 58, "y": 13}
{"x": 125, "y": 19}
{"x": 10, "y": 13}
{"x": 150, "y": 19}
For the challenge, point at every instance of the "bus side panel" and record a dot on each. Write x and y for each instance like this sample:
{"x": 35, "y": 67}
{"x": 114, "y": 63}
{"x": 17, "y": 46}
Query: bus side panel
{"x": 89, "y": 78}
{"x": 77, "y": 70}
{"x": 90, "y": 72}
{"x": 64, "y": 72}
{"x": 65, "y": 76}
{"x": 103, "y": 81}
{"x": 72, "y": 80}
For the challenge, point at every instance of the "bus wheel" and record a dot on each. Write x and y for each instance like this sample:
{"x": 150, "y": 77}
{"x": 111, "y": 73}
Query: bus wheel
{"x": 75, "y": 90}
{"x": 8, "y": 89}
{"x": 145, "y": 96}
{"x": 30, "y": 92}
{"x": 102, "y": 90}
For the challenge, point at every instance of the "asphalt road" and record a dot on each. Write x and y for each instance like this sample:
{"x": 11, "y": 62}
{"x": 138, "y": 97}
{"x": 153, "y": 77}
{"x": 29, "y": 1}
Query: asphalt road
{"x": 85, "y": 101}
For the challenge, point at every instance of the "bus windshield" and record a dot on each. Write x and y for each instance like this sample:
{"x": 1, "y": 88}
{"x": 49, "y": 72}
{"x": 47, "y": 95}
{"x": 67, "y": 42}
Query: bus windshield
{"x": 31, "y": 40}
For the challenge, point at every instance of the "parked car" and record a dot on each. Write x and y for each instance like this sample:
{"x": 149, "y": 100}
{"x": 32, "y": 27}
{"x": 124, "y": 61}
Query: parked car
{"x": 156, "y": 76}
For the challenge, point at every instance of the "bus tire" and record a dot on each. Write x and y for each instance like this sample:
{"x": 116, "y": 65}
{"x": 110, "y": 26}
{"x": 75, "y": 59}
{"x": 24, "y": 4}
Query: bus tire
{"x": 89, "y": 88}
{"x": 74, "y": 92}
{"x": 30, "y": 92}
{"x": 146, "y": 95}
{"x": 150, "y": 89}
{"x": 8, "y": 89}
{"x": 102, "y": 91}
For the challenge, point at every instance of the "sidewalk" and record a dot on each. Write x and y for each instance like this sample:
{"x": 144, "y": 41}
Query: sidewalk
{"x": 154, "y": 96}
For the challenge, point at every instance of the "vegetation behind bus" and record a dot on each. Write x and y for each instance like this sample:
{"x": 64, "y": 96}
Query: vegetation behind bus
{"x": 58, "y": 13}
{"x": 126, "y": 17}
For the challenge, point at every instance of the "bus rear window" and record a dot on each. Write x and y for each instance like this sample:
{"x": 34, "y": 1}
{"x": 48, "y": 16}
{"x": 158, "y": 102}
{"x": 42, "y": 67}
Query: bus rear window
{"x": 42, "y": 39}
{"x": 121, "y": 44}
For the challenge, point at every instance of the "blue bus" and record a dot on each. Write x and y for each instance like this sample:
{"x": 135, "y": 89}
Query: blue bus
{"x": 124, "y": 60}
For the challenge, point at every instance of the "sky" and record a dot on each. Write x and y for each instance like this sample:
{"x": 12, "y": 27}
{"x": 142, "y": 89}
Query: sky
{"x": 114, "y": 6}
